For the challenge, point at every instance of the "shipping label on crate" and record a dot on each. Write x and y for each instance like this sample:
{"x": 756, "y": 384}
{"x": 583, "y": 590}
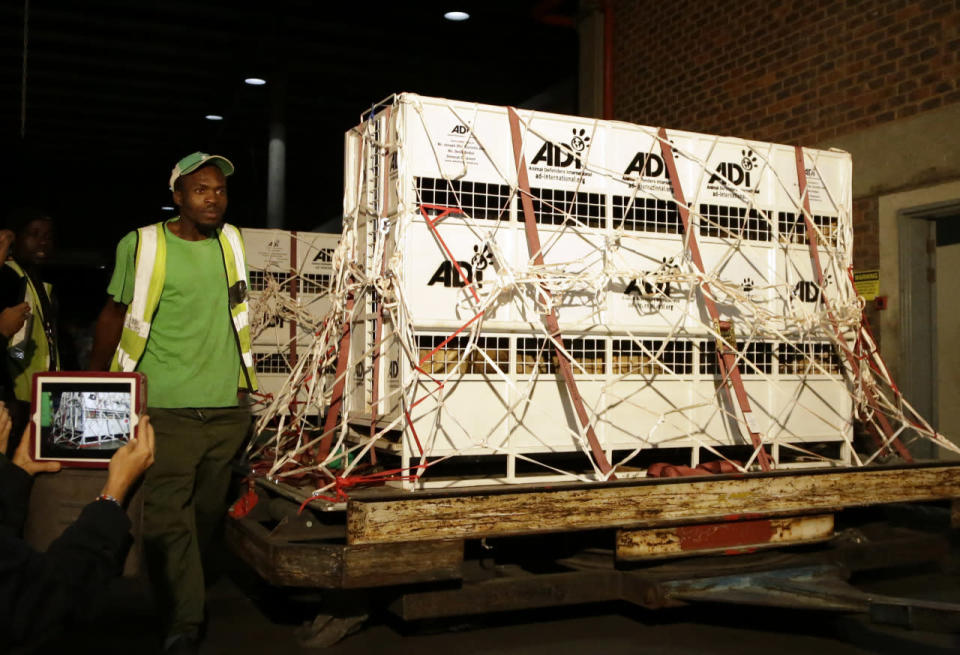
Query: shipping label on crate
{"x": 829, "y": 180}
{"x": 267, "y": 249}
{"x": 444, "y": 142}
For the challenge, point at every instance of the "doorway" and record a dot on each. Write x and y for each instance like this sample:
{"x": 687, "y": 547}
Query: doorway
{"x": 929, "y": 238}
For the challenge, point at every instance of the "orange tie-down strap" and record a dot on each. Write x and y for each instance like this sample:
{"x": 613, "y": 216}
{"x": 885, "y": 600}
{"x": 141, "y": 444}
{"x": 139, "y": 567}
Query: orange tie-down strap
{"x": 552, "y": 324}
{"x": 812, "y": 241}
{"x": 666, "y": 470}
{"x": 726, "y": 357}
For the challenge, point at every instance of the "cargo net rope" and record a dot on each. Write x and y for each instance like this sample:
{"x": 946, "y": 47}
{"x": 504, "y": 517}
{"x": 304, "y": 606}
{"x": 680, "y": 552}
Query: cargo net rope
{"x": 312, "y": 440}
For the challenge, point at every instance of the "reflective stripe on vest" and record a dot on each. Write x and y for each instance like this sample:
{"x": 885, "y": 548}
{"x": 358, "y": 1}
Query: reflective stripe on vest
{"x": 150, "y": 272}
{"x": 39, "y": 356}
{"x": 234, "y": 258}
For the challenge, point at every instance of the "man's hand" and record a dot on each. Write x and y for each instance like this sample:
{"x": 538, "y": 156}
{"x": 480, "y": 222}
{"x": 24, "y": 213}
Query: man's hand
{"x": 13, "y": 318}
{"x": 23, "y": 459}
{"x": 130, "y": 461}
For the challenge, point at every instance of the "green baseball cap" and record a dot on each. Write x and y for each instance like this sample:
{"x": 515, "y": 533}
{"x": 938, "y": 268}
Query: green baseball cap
{"x": 190, "y": 163}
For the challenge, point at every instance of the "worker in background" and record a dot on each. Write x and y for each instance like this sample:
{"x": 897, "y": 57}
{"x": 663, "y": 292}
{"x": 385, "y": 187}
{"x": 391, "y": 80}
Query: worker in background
{"x": 41, "y": 593}
{"x": 177, "y": 312}
{"x": 28, "y": 322}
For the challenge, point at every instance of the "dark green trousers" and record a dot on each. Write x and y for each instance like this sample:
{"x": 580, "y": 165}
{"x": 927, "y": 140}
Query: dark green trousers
{"x": 184, "y": 503}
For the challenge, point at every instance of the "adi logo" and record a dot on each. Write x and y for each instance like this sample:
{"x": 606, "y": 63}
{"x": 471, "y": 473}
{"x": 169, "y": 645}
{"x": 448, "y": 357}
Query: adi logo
{"x": 661, "y": 289}
{"x": 459, "y": 129}
{"x": 579, "y": 141}
{"x": 809, "y": 291}
{"x": 646, "y": 164}
{"x": 447, "y": 274}
{"x": 324, "y": 255}
{"x": 563, "y": 155}
{"x": 735, "y": 173}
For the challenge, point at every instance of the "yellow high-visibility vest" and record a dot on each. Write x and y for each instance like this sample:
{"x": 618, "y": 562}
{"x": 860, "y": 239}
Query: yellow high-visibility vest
{"x": 41, "y": 354}
{"x": 151, "y": 269}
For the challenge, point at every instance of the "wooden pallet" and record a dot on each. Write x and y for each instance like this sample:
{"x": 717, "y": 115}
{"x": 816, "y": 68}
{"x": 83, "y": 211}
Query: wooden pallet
{"x": 386, "y": 515}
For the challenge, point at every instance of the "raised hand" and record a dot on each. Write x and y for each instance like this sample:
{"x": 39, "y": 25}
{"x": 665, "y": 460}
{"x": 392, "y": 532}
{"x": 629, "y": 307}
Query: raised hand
{"x": 12, "y": 319}
{"x": 130, "y": 461}
{"x": 23, "y": 459}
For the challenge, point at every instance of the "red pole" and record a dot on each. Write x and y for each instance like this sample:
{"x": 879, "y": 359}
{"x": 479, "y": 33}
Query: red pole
{"x": 608, "y": 59}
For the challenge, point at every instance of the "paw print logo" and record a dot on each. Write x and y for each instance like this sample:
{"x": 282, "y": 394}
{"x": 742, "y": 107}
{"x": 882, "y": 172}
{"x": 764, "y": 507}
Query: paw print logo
{"x": 481, "y": 258}
{"x": 748, "y": 285}
{"x": 580, "y": 140}
{"x": 673, "y": 149}
{"x": 748, "y": 160}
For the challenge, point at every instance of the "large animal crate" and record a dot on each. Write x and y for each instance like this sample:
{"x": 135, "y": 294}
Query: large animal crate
{"x": 452, "y": 352}
{"x": 289, "y": 275}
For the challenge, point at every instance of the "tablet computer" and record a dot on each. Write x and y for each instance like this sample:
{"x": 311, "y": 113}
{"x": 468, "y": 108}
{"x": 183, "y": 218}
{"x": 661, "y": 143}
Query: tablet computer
{"x": 80, "y": 418}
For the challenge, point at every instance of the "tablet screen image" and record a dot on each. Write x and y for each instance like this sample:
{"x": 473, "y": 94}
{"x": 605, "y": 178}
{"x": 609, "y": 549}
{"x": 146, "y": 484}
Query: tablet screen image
{"x": 84, "y": 419}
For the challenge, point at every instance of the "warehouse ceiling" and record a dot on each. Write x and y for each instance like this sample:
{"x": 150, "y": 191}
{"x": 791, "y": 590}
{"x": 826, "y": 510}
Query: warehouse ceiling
{"x": 116, "y": 91}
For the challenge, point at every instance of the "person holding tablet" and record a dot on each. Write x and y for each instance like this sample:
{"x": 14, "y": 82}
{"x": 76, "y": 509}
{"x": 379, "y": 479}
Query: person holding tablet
{"x": 40, "y": 593}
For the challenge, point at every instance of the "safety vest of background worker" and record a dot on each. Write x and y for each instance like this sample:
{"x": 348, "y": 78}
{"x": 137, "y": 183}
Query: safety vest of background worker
{"x": 150, "y": 271}
{"x": 38, "y": 351}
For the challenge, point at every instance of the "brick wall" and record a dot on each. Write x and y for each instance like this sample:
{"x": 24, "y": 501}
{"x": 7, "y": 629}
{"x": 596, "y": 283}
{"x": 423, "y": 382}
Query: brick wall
{"x": 867, "y": 251}
{"x": 795, "y": 72}
{"x": 790, "y": 72}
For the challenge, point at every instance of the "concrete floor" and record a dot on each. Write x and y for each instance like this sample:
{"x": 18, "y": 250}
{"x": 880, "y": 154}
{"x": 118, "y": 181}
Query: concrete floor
{"x": 246, "y": 616}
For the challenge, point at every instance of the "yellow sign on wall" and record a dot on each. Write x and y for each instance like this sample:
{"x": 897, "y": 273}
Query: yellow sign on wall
{"x": 867, "y": 283}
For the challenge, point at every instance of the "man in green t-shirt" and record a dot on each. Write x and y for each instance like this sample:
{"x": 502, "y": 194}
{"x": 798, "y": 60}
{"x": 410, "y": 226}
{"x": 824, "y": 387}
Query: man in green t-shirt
{"x": 177, "y": 312}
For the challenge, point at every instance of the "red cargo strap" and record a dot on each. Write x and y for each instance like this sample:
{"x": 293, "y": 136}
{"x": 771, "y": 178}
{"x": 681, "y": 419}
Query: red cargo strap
{"x": 553, "y": 326}
{"x": 851, "y": 357}
{"x": 245, "y": 503}
{"x": 726, "y": 357}
{"x": 341, "y": 484}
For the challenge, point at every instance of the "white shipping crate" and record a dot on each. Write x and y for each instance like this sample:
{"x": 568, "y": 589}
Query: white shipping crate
{"x": 298, "y": 266}
{"x": 431, "y": 188}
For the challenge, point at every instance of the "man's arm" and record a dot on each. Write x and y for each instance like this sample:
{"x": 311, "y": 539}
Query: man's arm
{"x": 107, "y": 335}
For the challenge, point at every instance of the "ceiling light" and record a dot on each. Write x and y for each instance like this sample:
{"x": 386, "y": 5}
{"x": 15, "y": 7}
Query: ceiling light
{"x": 214, "y": 117}
{"x": 167, "y": 208}
{"x": 255, "y": 81}
{"x": 456, "y": 16}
